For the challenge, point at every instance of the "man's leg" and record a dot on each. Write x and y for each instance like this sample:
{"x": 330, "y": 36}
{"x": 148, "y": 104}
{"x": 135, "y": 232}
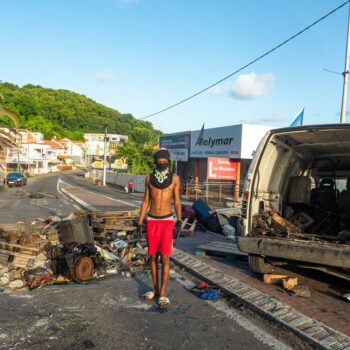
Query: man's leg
{"x": 154, "y": 271}
{"x": 165, "y": 274}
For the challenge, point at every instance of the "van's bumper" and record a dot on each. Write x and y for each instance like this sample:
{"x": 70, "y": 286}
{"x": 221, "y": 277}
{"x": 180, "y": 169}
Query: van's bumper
{"x": 328, "y": 254}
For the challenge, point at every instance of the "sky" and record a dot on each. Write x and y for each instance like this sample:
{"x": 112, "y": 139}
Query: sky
{"x": 140, "y": 56}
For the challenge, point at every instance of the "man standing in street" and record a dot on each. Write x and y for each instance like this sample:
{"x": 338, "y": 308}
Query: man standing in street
{"x": 130, "y": 186}
{"x": 161, "y": 188}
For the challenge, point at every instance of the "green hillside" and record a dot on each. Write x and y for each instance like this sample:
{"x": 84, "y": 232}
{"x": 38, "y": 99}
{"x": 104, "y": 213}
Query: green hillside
{"x": 63, "y": 113}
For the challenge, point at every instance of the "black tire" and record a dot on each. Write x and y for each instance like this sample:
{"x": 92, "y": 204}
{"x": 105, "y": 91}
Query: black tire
{"x": 258, "y": 265}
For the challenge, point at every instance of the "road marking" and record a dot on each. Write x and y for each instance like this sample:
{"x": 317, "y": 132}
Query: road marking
{"x": 235, "y": 316}
{"x": 110, "y": 198}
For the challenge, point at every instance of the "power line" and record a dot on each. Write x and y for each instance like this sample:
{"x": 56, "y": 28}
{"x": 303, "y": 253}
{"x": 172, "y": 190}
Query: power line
{"x": 250, "y": 63}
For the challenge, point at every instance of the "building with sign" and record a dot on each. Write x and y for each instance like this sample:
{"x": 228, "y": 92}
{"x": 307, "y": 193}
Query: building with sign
{"x": 94, "y": 149}
{"x": 216, "y": 154}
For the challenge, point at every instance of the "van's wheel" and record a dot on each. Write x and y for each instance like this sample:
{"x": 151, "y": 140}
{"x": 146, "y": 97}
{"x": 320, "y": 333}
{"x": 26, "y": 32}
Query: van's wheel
{"x": 258, "y": 265}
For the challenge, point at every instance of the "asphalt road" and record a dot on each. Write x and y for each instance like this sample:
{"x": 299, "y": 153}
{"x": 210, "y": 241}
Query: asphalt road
{"x": 16, "y": 204}
{"x": 110, "y": 313}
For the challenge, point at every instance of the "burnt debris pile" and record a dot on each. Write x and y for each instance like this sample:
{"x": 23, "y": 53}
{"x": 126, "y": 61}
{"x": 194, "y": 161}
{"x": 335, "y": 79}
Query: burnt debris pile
{"x": 78, "y": 247}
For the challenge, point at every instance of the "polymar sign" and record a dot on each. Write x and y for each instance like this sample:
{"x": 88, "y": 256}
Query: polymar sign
{"x": 222, "y": 169}
{"x": 219, "y": 142}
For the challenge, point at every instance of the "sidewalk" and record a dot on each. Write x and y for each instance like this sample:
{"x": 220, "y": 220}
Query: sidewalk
{"x": 321, "y": 306}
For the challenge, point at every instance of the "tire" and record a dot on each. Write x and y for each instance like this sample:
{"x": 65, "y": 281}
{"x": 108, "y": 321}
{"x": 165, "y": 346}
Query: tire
{"x": 258, "y": 265}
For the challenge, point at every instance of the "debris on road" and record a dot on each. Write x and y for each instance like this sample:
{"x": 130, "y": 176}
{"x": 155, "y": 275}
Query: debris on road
{"x": 290, "y": 283}
{"x": 79, "y": 247}
{"x": 346, "y": 296}
{"x": 301, "y": 291}
{"x": 270, "y": 278}
{"x": 205, "y": 291}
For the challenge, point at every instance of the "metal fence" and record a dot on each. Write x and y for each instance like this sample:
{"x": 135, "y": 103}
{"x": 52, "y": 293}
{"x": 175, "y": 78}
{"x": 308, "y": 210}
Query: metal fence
{"x": 220, "y": 193}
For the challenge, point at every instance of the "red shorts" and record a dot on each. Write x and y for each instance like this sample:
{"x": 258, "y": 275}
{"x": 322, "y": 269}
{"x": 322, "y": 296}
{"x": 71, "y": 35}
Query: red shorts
{"x": 160, "y": 235}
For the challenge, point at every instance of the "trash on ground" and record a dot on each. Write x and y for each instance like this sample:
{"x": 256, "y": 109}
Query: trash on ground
{"x": 270, "y": 278}
{"x": 289, "y": 283}
{"x": 78, "y": 247}
{"x": 218, "y": 221}
{"x": 346, "y": 296}
{"x": 301, "y": 291}
{"x": 205, "y": 291}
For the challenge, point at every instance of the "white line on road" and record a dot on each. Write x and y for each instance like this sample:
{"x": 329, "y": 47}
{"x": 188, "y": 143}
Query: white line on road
{"x": 110, "y": 198}
{"x": 75, "y": 198}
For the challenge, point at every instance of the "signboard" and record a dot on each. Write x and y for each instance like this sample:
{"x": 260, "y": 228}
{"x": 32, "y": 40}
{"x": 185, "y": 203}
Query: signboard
{"x": 98, "y": 164}
{"x": 177, "y": 144}
{"x": 218, "y": 142}
{"x": 222, "y": 169}
{"x": 12, "y": 155}
{"x": 175, "y": 141}
{"x": 180, "y": 154}
{"x": 120, "y": 164}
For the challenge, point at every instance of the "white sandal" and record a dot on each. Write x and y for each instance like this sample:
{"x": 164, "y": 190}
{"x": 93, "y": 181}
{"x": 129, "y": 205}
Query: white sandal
{"x": 149, "y": 296}
{"x": 163, "y": 302}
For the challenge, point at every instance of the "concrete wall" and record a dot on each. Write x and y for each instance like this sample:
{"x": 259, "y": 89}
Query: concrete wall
{"x": 121, "y": 179}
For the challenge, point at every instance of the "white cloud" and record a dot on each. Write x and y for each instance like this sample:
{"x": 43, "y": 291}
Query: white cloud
{"x": 249, "y": 86}
{"x": 246, "y": 86}
{"x": 105, "y": 75}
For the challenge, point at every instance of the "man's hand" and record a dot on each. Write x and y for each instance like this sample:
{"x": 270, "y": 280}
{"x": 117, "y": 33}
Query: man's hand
{"x": 177, "y": 229}
{"x": 139, "y": 230}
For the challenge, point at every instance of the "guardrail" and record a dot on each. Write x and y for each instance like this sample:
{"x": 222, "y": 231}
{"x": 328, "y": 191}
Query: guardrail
{"x": 221, "y": 193}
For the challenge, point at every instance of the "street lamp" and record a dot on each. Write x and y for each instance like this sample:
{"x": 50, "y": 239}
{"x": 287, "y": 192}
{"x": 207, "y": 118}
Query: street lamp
{"x": 105, "y": 155}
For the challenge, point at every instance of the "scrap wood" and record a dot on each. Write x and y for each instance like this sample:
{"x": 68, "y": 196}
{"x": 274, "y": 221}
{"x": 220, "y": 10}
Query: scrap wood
{"x": 115, "y": 227}
{"x": 10, "y": 252}
{"x": 284, "y": 223}
{"x": 289, "y": 283}
{"x": 14, "y": 245}
{"x": 270, "y": 278}
{"x": 301, "y": 291}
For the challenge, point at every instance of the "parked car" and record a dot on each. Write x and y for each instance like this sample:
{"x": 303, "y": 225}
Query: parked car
{"x": 16, "y": 179}
{"x": 296, "y": 201}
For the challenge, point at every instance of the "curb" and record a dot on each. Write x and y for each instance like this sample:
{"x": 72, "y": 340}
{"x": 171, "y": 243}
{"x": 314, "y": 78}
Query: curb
{"x": 75, "y": 198}
{"x": 316, "y": 333}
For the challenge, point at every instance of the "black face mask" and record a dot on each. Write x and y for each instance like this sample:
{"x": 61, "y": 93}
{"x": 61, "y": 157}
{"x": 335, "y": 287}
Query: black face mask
{"x": 161, "y": 177}
{"x": 162, "y": 166}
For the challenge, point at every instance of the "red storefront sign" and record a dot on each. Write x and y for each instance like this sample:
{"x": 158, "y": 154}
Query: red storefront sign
{"x": 222, "y": 169}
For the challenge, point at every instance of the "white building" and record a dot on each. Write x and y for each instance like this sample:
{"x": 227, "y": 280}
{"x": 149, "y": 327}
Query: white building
{"x": 94, "y": 144}
{"x": 73, "y": 151}
{"x": 34, "y": 157}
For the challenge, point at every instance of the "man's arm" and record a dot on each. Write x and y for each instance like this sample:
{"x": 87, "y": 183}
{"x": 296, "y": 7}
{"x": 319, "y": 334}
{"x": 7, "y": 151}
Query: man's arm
{"x": 145, "y": 203}
{"x": 177, "y": 200}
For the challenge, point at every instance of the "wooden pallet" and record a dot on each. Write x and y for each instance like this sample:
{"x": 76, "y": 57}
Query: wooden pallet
{"x": 221, "y": 249}
{"x": 188, "y": 227}
{"x": 113, "y": 214}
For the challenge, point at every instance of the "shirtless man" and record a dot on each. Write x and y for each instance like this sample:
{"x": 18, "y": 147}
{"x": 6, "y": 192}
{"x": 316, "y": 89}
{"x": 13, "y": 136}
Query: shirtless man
{"x": 161, "y": 188}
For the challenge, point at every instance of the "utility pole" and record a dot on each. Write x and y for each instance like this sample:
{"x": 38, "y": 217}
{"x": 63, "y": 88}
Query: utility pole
{"x": 346, "y": 75}
{"x": 104, "y": 156}
{"x": 19, "y": 148}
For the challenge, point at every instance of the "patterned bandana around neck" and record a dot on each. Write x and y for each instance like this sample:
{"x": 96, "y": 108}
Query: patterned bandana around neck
{"x": 161, "y": 179}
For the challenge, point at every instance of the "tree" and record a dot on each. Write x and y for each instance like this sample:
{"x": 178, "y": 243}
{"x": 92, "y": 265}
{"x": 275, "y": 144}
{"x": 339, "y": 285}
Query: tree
{"x": 67, "y": 114}
{"x": 139, "y": 158}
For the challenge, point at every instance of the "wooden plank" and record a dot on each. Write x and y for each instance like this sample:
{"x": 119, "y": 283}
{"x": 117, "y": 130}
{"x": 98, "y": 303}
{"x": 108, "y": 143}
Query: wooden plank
{"x": 115, "y": 227}
{"x": 16, "y": 253}
{"x": 14, "y": 245}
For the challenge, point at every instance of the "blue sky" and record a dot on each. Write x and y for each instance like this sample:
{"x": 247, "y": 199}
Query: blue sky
{"x": 139, "y": 56}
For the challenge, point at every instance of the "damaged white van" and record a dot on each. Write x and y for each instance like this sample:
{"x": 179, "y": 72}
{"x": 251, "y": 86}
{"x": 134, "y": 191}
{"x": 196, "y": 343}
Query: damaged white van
{"x": 296, "y": 201}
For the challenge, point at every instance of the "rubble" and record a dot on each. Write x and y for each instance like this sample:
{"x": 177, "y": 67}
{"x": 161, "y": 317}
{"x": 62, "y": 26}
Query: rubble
{"x": 78, "y": 247}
